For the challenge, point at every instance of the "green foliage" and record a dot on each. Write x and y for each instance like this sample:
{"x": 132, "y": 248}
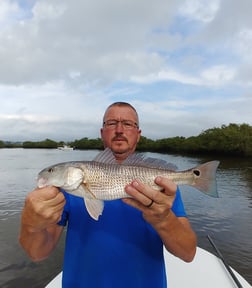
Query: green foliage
{"x": 234, "y": 139}
{"x": 48, "y": 143}
{"x": 174, "y": 144}
{"x": 145, "y": 144}
{"x": 86, "y": 143}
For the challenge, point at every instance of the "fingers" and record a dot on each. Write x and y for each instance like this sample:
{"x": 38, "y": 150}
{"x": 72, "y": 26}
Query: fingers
{"x": 144, "y": 193}
{"x": 138, "y": 191}
{"x": 148, "y": 206}
{"x": 169, "y": 187}
{"x": 152, "y": 202}
{"x": 42, "y": 199}
{"x": 45, "y": 193}
{"x": 43, "y": 207}
{"x": 57, "y": 198}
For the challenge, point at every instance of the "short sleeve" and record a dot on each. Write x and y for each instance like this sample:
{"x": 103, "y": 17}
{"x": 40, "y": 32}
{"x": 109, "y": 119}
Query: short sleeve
{"x": 64, "y": 217}
{"x": 178, "y": 206}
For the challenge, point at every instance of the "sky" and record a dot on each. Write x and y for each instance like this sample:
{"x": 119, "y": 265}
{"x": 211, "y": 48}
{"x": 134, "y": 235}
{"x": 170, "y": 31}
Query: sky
{"x": 186, "y": 66}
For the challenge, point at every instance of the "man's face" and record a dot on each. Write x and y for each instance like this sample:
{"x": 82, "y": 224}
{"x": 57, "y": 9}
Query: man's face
{"x": 121, "y": 139}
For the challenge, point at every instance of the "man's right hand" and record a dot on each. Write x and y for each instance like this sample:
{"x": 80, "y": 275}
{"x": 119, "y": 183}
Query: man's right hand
{"x": 39, "y": 231}
{"x": 43, "y": 208}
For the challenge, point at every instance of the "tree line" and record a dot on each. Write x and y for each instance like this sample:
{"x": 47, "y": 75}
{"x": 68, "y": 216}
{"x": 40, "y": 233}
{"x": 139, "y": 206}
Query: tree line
{"x": 232, "y": 139}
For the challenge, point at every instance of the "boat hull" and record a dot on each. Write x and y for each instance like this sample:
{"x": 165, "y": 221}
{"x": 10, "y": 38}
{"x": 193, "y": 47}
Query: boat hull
{"x": 206, "y": 270}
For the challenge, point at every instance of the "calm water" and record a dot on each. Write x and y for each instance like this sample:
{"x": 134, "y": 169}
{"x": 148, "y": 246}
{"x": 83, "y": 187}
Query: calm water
{"x": 227, "y": 219}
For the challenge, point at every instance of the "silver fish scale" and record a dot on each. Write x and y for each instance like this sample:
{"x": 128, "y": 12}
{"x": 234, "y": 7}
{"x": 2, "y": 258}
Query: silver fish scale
{"x": 107, "y": 181}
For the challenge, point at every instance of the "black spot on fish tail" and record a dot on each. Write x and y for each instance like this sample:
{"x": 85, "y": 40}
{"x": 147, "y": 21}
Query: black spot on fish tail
{"x": 196, "y": 172}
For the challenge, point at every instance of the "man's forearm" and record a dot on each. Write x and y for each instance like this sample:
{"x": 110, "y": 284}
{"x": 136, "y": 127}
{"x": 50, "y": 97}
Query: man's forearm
{"x": 178, "y": 237}
{"x": 38, "y": 244}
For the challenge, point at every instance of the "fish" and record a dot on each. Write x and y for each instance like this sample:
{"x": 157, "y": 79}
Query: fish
{"x": 104, "y": 179}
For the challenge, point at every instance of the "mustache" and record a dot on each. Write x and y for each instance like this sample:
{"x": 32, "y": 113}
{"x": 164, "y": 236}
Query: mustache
{"x": 119, "y": 137}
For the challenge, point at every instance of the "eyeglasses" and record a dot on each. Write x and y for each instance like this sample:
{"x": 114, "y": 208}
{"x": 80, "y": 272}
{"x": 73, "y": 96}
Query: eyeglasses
{"x": 126, "y": 124}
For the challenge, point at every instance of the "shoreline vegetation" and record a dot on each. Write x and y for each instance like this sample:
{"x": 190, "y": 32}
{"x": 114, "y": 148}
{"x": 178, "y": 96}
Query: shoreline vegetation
{"x": 231, "y": 140}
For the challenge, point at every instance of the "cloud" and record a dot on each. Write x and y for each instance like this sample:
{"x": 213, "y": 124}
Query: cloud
{"x": 198, "y": 10}
{"x": 93, "y": 39}
{"x": 8, "y": 12}
{"x": 186, "y": 65}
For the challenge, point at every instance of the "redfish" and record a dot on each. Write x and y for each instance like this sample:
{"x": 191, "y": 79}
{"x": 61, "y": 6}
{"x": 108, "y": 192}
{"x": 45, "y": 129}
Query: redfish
{"x": 105, "y": 179}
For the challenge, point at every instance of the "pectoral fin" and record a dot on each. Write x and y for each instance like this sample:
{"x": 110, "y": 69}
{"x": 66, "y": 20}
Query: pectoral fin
{"x": 94, "y": 207}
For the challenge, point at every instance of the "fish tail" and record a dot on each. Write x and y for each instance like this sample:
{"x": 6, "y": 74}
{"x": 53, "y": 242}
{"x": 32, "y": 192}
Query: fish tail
{"x": 205, "y": 178}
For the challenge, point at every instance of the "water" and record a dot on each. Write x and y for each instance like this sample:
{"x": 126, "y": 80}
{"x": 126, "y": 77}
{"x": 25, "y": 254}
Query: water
{"x": 228, "y": 219}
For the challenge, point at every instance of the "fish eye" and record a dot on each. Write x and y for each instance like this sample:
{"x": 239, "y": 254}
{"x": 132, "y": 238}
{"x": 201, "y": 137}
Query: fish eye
{"x": 50, "y": 170}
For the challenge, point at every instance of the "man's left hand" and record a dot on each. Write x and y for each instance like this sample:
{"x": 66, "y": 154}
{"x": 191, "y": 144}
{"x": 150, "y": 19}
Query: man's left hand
{"x": 155, "y": 204}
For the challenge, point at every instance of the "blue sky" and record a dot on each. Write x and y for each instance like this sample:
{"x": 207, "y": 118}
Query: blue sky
{"x": 185, "y": 65}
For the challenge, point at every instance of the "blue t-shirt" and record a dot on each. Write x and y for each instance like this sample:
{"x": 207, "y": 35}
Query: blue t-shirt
{"x": 119, "y": 250}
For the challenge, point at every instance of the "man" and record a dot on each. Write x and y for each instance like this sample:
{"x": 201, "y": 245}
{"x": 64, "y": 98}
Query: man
{"x": 125, "y": 247}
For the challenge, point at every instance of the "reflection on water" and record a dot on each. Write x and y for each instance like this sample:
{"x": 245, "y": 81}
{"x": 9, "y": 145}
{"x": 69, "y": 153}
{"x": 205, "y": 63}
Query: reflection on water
{"x": 228, "y": 219}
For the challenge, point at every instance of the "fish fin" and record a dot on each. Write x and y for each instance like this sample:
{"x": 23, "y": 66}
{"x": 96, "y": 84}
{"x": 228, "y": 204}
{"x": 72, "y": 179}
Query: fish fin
{"x": 94, "y": 207}
{"x": 105, "y": 156}
{"x": 205, "y": 179}
{"x": 138, "y": 159}
{"x": 80, "y": 191}
{"x": 74, "y": 178}
{"x": 87, "y": 191}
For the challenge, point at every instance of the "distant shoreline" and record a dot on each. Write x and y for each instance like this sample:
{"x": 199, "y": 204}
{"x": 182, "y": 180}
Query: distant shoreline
{"x": 231, "y": 140}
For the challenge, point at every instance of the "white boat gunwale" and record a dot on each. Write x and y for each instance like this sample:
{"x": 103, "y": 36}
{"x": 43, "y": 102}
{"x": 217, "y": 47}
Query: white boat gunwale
{"x": 206, "y": 270}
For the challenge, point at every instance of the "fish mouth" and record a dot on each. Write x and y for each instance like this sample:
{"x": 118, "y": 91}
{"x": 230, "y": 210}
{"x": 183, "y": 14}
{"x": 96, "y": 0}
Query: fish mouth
{"x": 41, "y": 182}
